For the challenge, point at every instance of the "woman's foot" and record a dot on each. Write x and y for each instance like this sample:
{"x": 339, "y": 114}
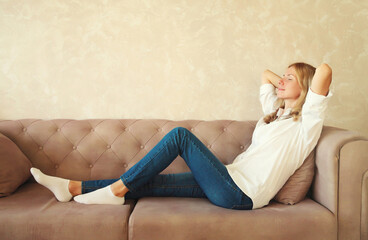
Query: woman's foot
{"x": 58, "y": 186}
{"x": 100, "y": 196}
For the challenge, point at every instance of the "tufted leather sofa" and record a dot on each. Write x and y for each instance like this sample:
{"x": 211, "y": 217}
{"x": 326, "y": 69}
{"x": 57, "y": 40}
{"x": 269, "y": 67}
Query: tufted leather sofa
{"x": 105, "y": 148}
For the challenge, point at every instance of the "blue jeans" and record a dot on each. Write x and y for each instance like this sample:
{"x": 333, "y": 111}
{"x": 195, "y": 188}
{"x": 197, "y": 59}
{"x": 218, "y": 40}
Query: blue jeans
{"x": 208, "y": 178}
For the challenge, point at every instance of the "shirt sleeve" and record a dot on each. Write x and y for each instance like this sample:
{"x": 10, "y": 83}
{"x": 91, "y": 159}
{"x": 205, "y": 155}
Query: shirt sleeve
{"x": 313, "y": 115}
{"x": 268, "y": 98}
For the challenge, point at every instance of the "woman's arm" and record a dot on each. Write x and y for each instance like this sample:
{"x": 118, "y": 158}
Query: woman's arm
{"x": 270, "y": 77}
{"x": 322, "y": 79}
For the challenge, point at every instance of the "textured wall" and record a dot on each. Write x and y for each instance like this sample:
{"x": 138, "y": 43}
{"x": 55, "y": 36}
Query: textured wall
{"x": 188, "y": 59}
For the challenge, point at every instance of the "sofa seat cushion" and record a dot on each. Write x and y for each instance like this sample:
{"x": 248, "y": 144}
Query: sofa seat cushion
{"x": 32, "y": 212}
{"x": 184, "y": 218}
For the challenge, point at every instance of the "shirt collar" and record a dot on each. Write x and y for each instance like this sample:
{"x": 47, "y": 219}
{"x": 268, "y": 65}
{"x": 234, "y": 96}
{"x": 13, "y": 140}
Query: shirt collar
{"x": 285, "y": 115}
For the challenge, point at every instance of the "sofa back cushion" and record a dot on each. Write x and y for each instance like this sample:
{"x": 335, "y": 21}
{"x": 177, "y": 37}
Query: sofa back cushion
{"x": 106, "y": 148}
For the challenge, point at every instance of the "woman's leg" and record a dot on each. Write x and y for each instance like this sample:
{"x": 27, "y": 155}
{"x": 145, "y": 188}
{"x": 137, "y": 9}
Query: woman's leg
{"x": 207, "y": 171}
{"x": 162, "y": 185}
{"x": 174, "y": 185}
{"x": 210, "y": 174}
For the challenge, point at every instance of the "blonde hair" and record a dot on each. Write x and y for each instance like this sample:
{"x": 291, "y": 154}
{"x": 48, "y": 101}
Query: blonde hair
{"x": 304, "y": 75}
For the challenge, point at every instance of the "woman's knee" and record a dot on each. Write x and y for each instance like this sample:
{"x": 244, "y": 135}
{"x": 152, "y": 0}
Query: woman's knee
{"x": 180, "y": 130}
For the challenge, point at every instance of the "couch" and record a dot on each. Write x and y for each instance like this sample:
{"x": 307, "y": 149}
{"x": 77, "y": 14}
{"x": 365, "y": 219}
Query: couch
{"x": 336, "y": 206}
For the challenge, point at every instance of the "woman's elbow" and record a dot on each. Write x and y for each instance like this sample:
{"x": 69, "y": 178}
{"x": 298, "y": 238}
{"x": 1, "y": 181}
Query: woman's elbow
{"x": 326, "y": 69}
{"x": 265, "y": 76}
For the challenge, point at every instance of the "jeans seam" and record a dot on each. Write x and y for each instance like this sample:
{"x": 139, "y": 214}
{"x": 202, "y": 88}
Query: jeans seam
{"x": 178, "y": 187}
{"x": 222, "y": 176}
{"x": 241, "y": 206}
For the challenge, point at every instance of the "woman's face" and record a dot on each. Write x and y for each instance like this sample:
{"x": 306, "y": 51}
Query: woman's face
{"x": 289, "y": 88}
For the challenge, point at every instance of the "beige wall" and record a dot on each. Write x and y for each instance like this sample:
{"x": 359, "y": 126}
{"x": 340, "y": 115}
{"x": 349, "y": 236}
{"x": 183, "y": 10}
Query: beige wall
{"x": 188, "y": 59}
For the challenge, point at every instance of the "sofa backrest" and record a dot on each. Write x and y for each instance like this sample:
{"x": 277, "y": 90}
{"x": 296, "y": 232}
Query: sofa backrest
{"x": 106, "y": 148}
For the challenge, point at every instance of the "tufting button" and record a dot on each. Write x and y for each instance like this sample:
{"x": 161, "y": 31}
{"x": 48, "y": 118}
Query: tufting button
{"x": 142, "y": 146}
{"x": 125, "y": 165}
{"x": 126, "y": 129}
{"x": 74, "y": 147}
{"x": 225, "y": 129}
{"x": 92, "y": 130}
{"x": 56, "y": 166}
{"x": 58, "y": 129}
{"x": 159, "y": 130}
{"x": 192, "y": 129}
{"x": 242, "y": 147}
{"x": 90, "y": 166}
{"x": 40, "y": 147}
{"x": 108, "y": 146}
{"x": 24, "y": 129}
{"x": 209, "y": 146}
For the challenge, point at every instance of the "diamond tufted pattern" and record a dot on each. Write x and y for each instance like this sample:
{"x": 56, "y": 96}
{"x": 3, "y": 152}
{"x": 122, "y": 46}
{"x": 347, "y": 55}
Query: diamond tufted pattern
{"x": 106, "y": 148}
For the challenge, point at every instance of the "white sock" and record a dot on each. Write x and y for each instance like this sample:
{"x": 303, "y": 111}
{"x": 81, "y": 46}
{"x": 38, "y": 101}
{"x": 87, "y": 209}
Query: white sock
{"x": 100, "y": 196}
{"x": 58, "y": 186}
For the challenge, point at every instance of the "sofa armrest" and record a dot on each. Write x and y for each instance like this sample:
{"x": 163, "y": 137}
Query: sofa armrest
{"x": 341, "y": 180}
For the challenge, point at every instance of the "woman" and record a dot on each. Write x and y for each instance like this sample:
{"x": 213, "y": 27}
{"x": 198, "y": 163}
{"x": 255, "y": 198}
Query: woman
{"x": 281, "y": 141}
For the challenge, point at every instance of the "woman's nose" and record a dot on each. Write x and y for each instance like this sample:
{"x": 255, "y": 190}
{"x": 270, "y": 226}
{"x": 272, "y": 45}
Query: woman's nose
{"x": 281, "y": 81}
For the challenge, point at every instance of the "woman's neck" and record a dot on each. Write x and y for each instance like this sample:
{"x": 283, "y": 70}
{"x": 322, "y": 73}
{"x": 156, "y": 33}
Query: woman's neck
{"x": 289, "y": 103}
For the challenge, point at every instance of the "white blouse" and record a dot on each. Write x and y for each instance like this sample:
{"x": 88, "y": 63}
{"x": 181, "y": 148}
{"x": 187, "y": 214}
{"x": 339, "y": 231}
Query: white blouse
{"x": 279, "y": 148}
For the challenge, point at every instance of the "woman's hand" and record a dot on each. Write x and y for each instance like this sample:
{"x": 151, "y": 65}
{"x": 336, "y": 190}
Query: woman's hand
{"x": 322, "y": 79}
{"x": 270, "y": 78}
